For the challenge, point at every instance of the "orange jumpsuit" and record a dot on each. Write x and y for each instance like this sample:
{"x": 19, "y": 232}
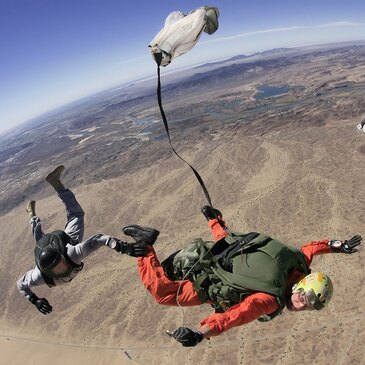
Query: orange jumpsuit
{"x": 165, "y": 291}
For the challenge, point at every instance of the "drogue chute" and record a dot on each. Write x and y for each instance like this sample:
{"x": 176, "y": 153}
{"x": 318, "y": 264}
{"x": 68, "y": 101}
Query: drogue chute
{"x": 181, "y": 32}
{"x": 179, "y": 35}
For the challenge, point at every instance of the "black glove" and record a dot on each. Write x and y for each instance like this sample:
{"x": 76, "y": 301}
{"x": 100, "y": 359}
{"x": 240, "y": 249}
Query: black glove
{"x": 187, "y": 337}
{"x": 41, "y": 303}
{"x": 347, "y": 246}
{"x": 210, "y": 213}
{"x": 135, "y": 250}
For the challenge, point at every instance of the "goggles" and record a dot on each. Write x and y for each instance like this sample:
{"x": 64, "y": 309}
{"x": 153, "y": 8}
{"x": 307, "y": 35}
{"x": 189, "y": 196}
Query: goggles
{"x": 311, "y": 298}
{"x": 62, "y": 268}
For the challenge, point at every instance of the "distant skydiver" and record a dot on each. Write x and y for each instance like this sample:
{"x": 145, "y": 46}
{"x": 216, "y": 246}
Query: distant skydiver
{"x": 244, "y": 276}
{"x": 59, "y": 254}
{"x": 361, "y": 126}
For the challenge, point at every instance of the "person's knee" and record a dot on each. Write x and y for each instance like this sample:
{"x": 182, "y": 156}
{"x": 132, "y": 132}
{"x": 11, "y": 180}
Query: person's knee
{"x": 80, "y": 214}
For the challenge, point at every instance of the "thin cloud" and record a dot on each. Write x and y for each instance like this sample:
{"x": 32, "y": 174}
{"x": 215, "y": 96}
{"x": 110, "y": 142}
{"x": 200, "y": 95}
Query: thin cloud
{"x": 339, "y": 24}
{"x": 284, "y": 29}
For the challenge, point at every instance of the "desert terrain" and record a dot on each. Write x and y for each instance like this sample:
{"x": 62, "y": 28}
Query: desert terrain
{"x": 291, "y": 165}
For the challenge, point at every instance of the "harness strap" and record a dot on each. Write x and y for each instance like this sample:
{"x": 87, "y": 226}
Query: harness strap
{"x": 235, "y": 249}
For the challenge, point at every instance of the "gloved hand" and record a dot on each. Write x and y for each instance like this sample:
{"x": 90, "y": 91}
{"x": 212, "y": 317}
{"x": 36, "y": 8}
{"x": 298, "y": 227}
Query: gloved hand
{"x": 187, "y": 337}
{"x": 210, "y": 213}
{"x": 41, "y": 303}
{"x": 347, "y": 246}
{"x": 135, "y": 250}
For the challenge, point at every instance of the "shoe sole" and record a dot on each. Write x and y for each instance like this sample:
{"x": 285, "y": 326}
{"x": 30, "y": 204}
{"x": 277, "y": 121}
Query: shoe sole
{"x": 149, "y": 230}
{"x": 55, "y": 173}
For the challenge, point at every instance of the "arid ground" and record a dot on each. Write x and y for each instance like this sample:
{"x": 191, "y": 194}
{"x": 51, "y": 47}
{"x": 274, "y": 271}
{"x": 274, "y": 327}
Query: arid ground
{"x": 292, "y": 166}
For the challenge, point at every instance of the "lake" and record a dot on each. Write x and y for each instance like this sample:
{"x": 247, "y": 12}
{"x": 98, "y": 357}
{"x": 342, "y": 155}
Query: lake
{"x": 265, "y": 91}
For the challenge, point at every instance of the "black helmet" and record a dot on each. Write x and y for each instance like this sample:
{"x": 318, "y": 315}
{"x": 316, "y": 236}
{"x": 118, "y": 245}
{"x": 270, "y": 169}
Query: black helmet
{"x": 49, "y": 257}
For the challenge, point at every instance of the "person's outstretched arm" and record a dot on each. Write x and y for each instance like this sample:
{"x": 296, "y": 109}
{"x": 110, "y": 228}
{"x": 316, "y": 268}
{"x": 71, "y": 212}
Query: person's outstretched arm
{"x": 330, "y": 246}
{"x": 78, "y": 252}
{"x": 250, "y": 309}
{"x": 24, "y": 284}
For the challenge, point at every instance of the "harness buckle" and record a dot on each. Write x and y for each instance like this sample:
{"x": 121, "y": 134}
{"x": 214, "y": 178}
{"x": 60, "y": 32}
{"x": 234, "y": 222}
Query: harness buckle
{"x": 223, "y": 305}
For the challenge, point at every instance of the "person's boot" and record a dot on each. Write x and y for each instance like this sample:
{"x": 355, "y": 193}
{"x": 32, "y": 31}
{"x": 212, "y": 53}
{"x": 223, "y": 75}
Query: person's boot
{"x": 30, "y": 208}
{"x": 210, "y": 213}
{"x": 54, "y": 178}
{"x": 140, "y": 234}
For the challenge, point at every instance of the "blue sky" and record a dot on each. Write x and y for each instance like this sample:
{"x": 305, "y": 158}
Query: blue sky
{"x": 56, "y": 51}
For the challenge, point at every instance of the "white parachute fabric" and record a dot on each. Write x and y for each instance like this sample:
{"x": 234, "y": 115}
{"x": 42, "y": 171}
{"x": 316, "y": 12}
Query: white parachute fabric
{"x": 181, "y": 32}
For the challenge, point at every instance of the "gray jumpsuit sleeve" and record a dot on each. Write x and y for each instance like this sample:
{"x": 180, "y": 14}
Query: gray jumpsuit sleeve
{"x": 29, "y": 279}
{"x": 78, "y": 252}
